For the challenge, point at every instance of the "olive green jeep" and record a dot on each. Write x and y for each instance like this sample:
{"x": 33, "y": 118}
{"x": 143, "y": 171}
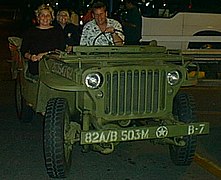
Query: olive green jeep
{"x": 100, "y": 96}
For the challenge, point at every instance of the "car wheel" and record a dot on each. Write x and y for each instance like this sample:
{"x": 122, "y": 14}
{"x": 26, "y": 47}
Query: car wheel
{"x": 57, "y": 151}
{"x": 24, "y": 112}
{"x": 184, "y": 110}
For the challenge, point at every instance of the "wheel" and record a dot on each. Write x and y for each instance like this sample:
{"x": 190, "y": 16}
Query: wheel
{"x": 184, "y": 109}
{"x": 24, "y": 112}
{"x": 57, "y": 151}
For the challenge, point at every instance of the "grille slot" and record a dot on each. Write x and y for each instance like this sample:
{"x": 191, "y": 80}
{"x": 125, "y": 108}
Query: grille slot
{"x": 135, "y": 92}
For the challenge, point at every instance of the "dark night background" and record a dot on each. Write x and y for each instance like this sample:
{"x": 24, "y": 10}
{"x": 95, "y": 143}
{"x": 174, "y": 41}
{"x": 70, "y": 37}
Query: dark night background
{"x": 23, "y": 10}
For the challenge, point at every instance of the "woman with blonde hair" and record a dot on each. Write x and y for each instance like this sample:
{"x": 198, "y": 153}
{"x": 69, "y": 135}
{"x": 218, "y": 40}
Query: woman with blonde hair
{"x": 39, "y": 40}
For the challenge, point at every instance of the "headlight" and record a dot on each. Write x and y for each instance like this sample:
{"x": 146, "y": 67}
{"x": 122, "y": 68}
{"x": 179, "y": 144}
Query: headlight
{"x": 93, "y": 80}
{"x": 173, "y": 77}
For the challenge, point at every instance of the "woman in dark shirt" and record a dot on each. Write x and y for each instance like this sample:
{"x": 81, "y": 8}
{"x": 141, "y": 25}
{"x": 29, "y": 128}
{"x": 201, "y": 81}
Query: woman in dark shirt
{"x": 71, "y": 31}
{"x": 41, "y": 39}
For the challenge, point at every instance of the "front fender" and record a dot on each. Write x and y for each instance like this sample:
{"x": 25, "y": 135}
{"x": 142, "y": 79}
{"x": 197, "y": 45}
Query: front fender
{"x": 58, "y": 75}
{"x": 59, "y": 83}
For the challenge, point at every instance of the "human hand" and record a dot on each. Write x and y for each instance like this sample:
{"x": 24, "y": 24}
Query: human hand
{"x": 37, "y": 57}
{"x": 40, "y": 55}
{"x": 69, "y": 49}
{"x": 109, "y": 30}
{"x": 33, "y": 58}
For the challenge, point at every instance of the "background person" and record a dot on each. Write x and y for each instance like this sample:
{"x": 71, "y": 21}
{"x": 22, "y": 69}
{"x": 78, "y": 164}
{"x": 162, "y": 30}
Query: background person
{"x": 71, "y": 31}
{"x": 87, "y": 16}
{"x": 101, "y": 30}
{"x": 132, "y": 23}
{"x": 41, "y": 39}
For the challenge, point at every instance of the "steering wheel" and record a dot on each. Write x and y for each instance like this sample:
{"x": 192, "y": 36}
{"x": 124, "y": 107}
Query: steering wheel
{"x": 104, "y": 33}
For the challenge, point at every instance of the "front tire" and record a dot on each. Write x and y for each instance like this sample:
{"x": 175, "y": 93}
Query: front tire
{"x": 56, "y": 150}
{"x": 184, "y": 109}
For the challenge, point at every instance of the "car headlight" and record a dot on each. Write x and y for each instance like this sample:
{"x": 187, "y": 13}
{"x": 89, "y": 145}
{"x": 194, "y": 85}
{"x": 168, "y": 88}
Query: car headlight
{"x": 93, "y": 80}
{"x": 173, "y": 77}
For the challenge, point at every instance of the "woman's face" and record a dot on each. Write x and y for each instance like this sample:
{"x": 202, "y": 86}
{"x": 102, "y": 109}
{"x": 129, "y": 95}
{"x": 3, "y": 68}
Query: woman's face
{"x": 44, "y": 18}
{"x": 62, "y": 18}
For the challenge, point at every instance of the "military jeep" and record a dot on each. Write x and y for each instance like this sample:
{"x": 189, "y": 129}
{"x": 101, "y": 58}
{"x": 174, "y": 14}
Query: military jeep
{"x": 100, "y": 96}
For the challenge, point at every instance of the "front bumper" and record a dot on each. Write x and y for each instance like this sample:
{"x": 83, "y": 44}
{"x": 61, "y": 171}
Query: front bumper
{"x": 143, "y": 133}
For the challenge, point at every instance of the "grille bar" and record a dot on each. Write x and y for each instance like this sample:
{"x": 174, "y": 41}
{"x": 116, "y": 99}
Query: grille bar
{"x": 135, "y": 92}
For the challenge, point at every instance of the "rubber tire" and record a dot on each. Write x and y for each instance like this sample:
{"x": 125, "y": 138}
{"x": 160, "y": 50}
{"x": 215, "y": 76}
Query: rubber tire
{"x": 24, "y": 112}
{"x": 184, "y": 109}
{"x": 57, "y": 155}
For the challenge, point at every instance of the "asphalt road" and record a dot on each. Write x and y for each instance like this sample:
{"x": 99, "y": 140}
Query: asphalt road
{"x": 21, "y": 150}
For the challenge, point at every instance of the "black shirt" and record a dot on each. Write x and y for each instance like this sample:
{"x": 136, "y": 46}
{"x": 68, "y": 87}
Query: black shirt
{"x": 71, "y": 34}
{"x": 37, "y": 41}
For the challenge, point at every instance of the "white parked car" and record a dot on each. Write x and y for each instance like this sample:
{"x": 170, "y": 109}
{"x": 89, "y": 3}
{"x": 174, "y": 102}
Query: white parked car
{"x": 182, "y": 24}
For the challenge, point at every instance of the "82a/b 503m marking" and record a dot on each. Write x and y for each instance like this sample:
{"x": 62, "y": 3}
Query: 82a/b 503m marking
{"x": 142, "y": 133}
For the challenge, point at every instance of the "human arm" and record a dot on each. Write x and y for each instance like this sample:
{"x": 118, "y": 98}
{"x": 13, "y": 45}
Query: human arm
{"x": 117, "y": 40}
{"x": 34, "y": 57}
{"x": 115, "y": 28}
